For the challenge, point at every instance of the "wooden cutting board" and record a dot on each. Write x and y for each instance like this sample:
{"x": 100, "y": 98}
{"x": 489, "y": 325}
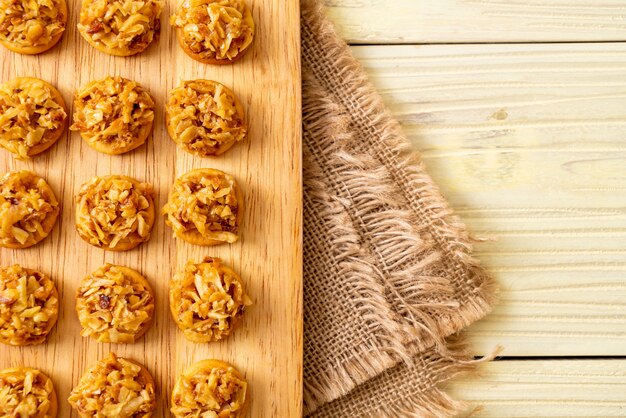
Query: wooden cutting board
{"x": 267, "y": 348}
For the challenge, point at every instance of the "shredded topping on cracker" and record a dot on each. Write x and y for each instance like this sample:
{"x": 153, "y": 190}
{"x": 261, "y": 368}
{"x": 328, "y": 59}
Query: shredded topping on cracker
{"x": 26, "y": 392}
{"x": 31, "y": 23}
{"x": 115, "y": 210}
{"x": 115, "y": 112}
{"x": 204, "y": 201}
{"x": 30, "y": 115}
{"x": 28, "y": 209}
{"x": 205, "y": 117}
{"x": 120, "y": 27}
{"x": 114, "y": 388}
{"x": 29, "y": 306}
{"x": 114, "y": 304}
{"x": 209, "y": 389}
{"x": 215, "y": 29}
{"x": 207, "y": 300}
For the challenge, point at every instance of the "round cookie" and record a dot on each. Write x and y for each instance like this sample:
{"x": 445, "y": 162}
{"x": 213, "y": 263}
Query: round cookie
{"x": 205, "y": 117}
{"x": 207, "y": 300}
{"x": 27, "y": 392}
{"x": 32, "y": 27}
{"x": 29, "y": 306}
{"x": 114, "y": 115}
{"x": 115, "y": 304}
{"x": 115, "y": 213}
{"x": 205, "y": 207}
{"x": 115, "y": 387}
{"x": 210, "y": 388}
{"x": 120, "y": 27}
{"x": 214, "y": 31}
{"x": 28, "y": 209}
{"x": 33, "y": 116}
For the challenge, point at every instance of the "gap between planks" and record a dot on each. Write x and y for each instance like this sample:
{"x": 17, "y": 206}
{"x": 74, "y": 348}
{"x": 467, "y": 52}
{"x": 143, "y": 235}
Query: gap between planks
{"x": 477, "y": 21}
{"x": 555, "y": 388}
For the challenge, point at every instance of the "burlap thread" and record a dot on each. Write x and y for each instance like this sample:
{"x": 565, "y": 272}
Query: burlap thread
{"x": 389, "y": 275}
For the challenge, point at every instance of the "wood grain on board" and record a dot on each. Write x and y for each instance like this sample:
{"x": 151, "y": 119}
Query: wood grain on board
{"x": 556, "y": 388}
{"x": 474, "y": 21}
{"x": 268, "y": 346}
{"x": 527, "y": 144}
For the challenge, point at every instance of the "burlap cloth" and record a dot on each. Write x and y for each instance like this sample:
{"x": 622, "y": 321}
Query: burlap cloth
{"x": 389, "y": 279}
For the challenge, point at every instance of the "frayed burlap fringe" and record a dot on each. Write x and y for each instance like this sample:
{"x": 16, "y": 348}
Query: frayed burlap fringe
{"x": 388, "y": 266}
{"x": 398, "y": 393}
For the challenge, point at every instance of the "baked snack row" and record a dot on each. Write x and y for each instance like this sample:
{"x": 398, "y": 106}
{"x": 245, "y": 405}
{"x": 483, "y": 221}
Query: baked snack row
{"x": 115, "y": 115}
{"x": 115, "y": 304}
{"x": 117, "y": 213}
{"x": 209, "y": 31}
{"x": 117, "y": 387}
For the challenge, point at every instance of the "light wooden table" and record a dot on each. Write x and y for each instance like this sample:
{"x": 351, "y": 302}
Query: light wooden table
{"x": 519, "y": 109}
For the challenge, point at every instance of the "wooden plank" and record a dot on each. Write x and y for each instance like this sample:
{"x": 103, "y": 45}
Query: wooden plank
{"x": 527, "y": 143}
{"x": 268, "y": 346}
{"x": 557, "y": 388}
{"x": 470, "y": 21}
